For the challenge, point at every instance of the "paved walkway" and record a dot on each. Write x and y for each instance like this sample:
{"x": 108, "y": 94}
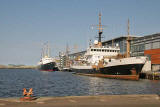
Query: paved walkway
{"x": 86, "y": 101}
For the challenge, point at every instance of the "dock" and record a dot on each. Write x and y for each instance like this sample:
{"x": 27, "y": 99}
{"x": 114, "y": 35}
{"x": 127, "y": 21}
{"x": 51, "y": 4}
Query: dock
{"x": 151, "y": 75}
{"x": 86, "y": 101}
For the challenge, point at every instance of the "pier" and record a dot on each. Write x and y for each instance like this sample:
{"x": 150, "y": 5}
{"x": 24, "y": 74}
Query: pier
{"x": 151, "y": 75}
{"x": 86, "y": 101}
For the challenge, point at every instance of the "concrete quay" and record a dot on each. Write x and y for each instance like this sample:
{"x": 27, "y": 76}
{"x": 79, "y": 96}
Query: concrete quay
{"x": 86, "y": 101}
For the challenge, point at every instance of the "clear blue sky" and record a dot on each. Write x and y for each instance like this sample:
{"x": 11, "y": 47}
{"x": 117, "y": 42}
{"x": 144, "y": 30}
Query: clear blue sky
{"x": 26, "y": 24}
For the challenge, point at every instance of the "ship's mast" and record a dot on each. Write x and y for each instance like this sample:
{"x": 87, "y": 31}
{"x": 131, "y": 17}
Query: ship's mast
{"x": 67, "y": 50}
{"x": 100, "y": 28}
{"x": 67, "y": 64}
{"x": 42, "y": 53}
{"x": 48, "y": 49}
{"x": 128, "y": 40}
{"x": 128, "y": 28}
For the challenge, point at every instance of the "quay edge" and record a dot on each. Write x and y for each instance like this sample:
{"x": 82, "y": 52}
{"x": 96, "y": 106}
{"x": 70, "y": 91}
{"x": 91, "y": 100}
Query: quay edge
{"x": 87, "y": 101}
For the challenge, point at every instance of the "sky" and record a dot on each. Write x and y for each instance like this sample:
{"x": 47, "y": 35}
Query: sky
{"x": 25, "y": 25}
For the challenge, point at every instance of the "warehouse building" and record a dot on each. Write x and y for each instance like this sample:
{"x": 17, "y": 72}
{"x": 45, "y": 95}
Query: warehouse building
{"x": 120, "y": 41}
{"x": 148, "y": 46}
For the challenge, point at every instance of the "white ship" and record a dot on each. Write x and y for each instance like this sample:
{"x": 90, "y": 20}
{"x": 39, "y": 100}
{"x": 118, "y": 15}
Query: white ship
{"x": 105, "y": 60}
{"x": 47, "y": 63}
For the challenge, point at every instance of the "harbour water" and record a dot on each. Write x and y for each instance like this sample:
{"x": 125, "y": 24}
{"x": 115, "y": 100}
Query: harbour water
{"x": 12, "y": 82}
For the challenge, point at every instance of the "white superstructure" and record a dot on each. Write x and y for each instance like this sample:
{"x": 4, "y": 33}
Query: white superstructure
{"x": 97, "y": 52}
{"x": 45, "y": 60}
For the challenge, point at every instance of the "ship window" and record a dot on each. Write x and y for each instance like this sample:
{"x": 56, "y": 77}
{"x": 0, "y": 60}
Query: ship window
{"x": 107, "y": 50}
{"x": 91, "y": 49}
{"x": 94, "y": 49}
{"x": 102, "y": 50}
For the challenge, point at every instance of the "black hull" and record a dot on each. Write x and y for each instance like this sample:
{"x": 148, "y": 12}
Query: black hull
{"x": 48, "y": 67}
{"x": 122, "y": 69}
{"x": 113, "y": 70}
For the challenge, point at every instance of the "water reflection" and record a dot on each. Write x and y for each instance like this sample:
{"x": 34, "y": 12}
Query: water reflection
{"x": 12, "y": 81}
{"x": 96, "y": 86}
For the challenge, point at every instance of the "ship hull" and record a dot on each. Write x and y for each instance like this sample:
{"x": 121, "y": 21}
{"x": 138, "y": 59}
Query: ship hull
{"x": 48, "y": 67}
{"x": 112, "y": 70}
{"x": 126, "y": 68}
{"x": 116, "y": 72}
{"x": 122, "y": 69}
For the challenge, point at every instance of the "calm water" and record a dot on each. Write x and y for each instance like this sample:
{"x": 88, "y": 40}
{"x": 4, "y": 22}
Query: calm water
{"x": 12, "y": 82}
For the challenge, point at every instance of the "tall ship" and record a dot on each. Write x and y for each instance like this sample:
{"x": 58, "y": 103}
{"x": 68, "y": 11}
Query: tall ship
{"x": 46, "y": 62}
{"x": 106, "y": 61}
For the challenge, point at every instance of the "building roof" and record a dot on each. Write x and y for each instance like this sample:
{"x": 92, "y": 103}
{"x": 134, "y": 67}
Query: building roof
{"x": 121, "y": 37}
{"x": 149, "y": 36}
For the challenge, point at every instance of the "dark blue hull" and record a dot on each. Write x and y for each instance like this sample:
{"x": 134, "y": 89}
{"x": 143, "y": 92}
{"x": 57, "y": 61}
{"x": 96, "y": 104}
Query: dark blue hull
{"x": 48, "y": 67}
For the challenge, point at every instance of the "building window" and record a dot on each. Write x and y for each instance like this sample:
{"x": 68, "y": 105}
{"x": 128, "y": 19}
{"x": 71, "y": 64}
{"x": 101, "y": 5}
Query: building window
{"x": 155, "y": 45}
{"x": 148, "y": 46}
